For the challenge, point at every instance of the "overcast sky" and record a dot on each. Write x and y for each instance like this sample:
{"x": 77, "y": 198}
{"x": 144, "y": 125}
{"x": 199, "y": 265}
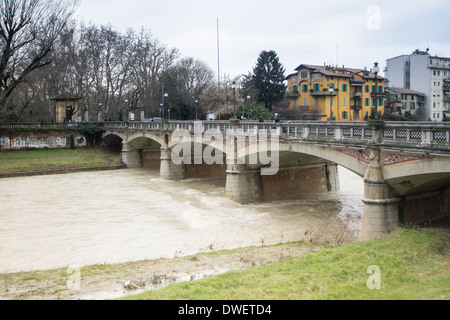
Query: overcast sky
{"x": 354, "y": 33}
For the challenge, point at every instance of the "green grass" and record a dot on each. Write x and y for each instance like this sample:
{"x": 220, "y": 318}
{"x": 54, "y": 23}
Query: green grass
{"x": 414, "y": 264}
{"x": 53, "y": 160}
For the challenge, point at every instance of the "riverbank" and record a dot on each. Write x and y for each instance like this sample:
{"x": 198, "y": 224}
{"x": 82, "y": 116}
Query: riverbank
{"x": 16, "y": 163}
{"x": 408, "y": 264}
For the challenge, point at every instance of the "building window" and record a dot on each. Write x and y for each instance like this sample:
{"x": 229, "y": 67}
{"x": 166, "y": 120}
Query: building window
{"x": 367, "y": 102}
{"x": 295, "y": 89}
{"x": 344, "y": 115}
{"x": 316, "y": 87}
{"x": 304, "y": 74}
{"x": 305, "y": 102}
{"x": 345, "y": 102}
{"x": 316, "y": 102}
{"x": 344, "y": 88}
{"x": 305, "y": 88}
{"x": 332, "y": 101}
{"x": 413, "y": 106}
{"x": 367, "y": 89}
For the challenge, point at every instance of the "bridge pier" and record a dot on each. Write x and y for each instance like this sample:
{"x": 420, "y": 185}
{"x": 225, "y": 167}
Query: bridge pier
{"x": 130, "y": 156}
{"x": 168, "y": 169}
{"x": 380, "y": 212}
{"x": 241, "y": 184}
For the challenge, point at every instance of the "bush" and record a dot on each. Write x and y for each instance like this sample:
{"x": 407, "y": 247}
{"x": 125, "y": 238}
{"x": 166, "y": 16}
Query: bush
{"x": 92, "y": 132}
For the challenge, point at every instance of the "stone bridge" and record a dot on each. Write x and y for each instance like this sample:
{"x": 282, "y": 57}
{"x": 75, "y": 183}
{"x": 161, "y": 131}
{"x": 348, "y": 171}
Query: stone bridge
{"x": 405, "y": 166}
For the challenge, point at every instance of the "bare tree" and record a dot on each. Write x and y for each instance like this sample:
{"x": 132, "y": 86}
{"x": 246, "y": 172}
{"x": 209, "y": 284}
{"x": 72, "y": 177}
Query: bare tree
{"x": 28, "y": 31}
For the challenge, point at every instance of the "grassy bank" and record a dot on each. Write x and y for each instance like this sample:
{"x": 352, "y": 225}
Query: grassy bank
{"x": 413, "y": 264}
{"x": 54, "y": 161}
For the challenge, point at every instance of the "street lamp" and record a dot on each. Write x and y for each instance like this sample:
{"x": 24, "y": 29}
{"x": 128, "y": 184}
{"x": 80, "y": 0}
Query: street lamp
{"x": 196, "y": 109}
{"x": 376, "y": 69}
{"x": 331, "y": 90}
{"x": 233, "y": 86}
{"x": 166, "y": 95}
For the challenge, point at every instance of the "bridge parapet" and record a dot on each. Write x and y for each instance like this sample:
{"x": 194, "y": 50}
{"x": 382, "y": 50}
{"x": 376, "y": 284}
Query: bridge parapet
{"x": 411, "y": 134}
{"x": 398, "y": 134}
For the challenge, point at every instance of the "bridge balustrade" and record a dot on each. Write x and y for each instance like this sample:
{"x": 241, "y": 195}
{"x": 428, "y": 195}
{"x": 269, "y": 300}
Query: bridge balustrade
{"x": 423, "y": 133}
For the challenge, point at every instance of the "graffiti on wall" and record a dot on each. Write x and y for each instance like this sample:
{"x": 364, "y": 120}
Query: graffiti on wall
{"x": 38, "y": 143}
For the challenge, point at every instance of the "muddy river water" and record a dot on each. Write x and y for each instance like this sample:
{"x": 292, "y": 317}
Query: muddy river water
{"x": 128, "y": 215}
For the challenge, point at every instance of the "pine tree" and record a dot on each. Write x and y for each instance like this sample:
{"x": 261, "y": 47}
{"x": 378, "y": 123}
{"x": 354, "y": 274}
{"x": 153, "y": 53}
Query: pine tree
{"x": 268, "y": 78}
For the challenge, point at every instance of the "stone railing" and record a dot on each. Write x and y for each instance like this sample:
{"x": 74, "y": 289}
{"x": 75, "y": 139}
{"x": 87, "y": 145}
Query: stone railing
{"x": 393, "y": 133}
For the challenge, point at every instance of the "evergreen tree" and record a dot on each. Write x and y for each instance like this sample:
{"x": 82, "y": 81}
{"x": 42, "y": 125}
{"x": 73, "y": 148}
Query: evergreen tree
{"x": 268, "y": 79}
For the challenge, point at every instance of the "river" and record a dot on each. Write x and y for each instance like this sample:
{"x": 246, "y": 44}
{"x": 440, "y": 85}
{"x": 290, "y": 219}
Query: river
{"x": 126, "y": 215}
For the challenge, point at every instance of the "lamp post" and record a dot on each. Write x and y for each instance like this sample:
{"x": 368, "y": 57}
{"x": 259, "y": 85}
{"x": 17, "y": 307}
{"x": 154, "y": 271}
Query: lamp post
{"x": 196, "y": 109}
{"x": 166, "y": 95}
{"x": 376, "y": 69}
{"x": 233, "y": 86}
{"x": 331, "y": 90}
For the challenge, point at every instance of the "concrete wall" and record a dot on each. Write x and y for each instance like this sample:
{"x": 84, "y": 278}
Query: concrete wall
{"x": 425, "y": 208}
{"x": 151, "y": 158}
{"x": 396, "y": 71}
{"x": 41, "y": 140}
{"x": 293, "y": 182}
{"x": 204, "y": 170}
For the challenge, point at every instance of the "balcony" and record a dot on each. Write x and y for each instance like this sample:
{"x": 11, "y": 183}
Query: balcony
{"x": 292, "y": 94}
{"x": 324, "y": 93}
{"x": 378, "y": 94}
{"x": 356, "y": 107}
{"x": 356, "y": 94}
{"x": 356, "y": 83}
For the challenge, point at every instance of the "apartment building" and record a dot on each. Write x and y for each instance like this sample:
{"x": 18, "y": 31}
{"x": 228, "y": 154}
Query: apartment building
{"x": 332, "y": 93}
{"x": 422, "y": 72}
{"x": 401, "y": 101}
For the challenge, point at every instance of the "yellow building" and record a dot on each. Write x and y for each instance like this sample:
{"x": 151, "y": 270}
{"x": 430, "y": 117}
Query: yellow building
{"x": 341, "y": 94}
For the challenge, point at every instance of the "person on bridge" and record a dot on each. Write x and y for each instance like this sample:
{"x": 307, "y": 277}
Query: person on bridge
{"x": 261, "y": 118}
{"x": 276, "y": 118}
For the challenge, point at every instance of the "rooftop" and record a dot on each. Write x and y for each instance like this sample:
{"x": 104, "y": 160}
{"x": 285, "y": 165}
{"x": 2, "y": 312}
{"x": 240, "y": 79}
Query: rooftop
{"x": 405, "y": 91}
{"x": 332, "y": 71}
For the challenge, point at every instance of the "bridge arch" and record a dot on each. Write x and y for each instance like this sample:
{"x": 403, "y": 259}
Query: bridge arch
{"x": 414, "y": 177}
{"x": 307, "y": 154}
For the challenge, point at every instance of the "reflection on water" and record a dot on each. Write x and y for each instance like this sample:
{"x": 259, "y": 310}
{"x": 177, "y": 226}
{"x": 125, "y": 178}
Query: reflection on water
{"x": 127, "y": 215}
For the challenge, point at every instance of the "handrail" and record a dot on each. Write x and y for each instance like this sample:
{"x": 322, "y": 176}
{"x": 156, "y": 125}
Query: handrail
{"x": 423, "y": 133}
